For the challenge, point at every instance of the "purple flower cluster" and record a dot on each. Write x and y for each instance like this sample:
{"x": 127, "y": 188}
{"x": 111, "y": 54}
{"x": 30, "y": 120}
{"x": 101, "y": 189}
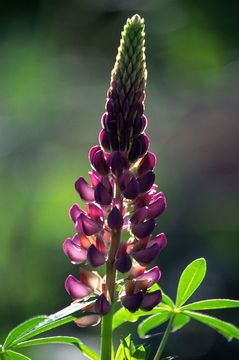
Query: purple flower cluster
{"x": 121, "y": 196}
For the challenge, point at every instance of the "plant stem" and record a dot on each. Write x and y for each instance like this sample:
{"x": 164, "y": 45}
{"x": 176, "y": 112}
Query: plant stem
{"x": 106, "y": 329}
{"x": 164, "y": 339}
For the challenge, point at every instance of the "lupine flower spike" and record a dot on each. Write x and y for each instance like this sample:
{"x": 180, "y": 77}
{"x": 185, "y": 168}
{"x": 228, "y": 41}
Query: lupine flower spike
{"x": 121, "y": 195}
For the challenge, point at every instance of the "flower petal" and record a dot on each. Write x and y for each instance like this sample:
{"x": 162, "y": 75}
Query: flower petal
{"x": 146, "y": 256}
{"x": 146, "y": 181}
{"x": 141, "y": 230}
{"x": 132, "y": 189}
{"x": 150, "y": 300}
{"x": 87, "y": 226}
{"x": 95, "y": 213}
{"x": 75, "y": 212}
{"x": 123, "y": 263}
{"x": 160, "y": 240}
{"x": 133, "y": 302}
{"x": 75, "y": 252}
{"x": 102, "y": 305}
{"x": 153, "y": 275}
{"x": 146, "y": 164}
{"x": 85, "y": 191}
{"x": 115, "y": 219}
{"x": 157, "y": 208}
{"x": 102, "y": 196}
{"x": 88, "y": 320}
{"x": 95, "y": 257}
{"x": 75, "y": 288}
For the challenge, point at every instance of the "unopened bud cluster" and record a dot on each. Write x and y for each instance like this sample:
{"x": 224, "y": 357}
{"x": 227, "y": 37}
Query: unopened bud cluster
{"x": 121, "y": 195}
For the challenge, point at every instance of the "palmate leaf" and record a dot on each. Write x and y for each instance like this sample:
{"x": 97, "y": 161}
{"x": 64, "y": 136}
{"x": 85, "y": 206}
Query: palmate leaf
{"x": 179, "y": 321}
{"x": 63, "y": 340}
{"x": 151, "y": 323}
{"x": 190, "y": 279}
{"x": 39, "y": 324}
{"x": 228, "y": 330}
{"x": 211, "y": 304}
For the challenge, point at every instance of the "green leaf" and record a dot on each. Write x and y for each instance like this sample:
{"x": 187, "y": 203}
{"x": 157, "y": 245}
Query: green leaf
{"x": 123, "y": 315}
{"x": 120, "y": 353}
{"x": 228, "y": 330}
{"x": 190, "y": 280}
{"x": 23, "y": 328}
{"x": 151, "y": 323}
{"x": 139, "y": 353}
{"x": 12, "y": 355}
{"x": 63, "y": 340}
{"x": 22, "y": 333}
{"x": 211, "y": 304}
{"x": 126, "y": 347}
{"x": 179, "y": 321}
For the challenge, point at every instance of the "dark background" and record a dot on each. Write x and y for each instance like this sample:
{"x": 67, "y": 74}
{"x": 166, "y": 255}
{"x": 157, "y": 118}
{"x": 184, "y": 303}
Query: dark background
{"x": 55, "y": 63}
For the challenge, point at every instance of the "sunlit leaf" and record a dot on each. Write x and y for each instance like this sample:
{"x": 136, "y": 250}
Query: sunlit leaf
{"x": 190, "y": 279}
{"x": 126, "y": 347}
{"x": 228, "y": 330}
{"x": 120, "y": 353}
{"x": 63, "y": 340}
{"x": 45, "y": 323}
{"x": 139, "y": 353}
{"x": 179, "y": 321}
{"x": 123, "y": 315}
{"x": 12, "y": 355}
{"x": 23, "y": 328}
{"x": 151, "y": 323}
{"x": 211, "y": 304}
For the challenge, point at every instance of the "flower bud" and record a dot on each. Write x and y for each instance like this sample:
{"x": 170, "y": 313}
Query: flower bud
{"x": 135, "y": 151}
{"x": 146, "y": 164}
{"x": 132, "y": 189}
{"x": 146, "y": 181}
{"x": 98, "y": 162}
{"x": 104, "y": 140}
{"x": 147, "y": 255}
{"x": 95, "y": 257}
{"x": 84, "y": 189}
{"x": 150, "y": 300}
{"x": 102, "y": 196}
{"x": 123, "y": 263}
{"x": 102, "y": 305}
{"x": 141, "y": 230}
{"x": 133, "y": 302}
{"x": 115, "y": 219}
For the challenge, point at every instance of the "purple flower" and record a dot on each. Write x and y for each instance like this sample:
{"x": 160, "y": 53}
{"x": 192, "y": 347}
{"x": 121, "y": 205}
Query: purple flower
{"x": 85, "y": 190}
{"x": 74, "y": 251}
{"x": 150, "y": 300}
{"x": 115, "y": 219}
{"x": 75, "y": 288}
{"x": 95, "y": 257}
{"x": 102, "y": 305}
{"x": 122, "y": 196}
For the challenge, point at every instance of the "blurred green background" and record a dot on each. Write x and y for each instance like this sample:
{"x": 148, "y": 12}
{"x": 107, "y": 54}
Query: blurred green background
{"x": 55, "y": 63}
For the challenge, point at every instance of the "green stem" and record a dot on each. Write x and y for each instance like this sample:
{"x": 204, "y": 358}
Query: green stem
{"x": 164, "y": 339}
{"x": 106, "y": 335}
{"x": 106, "y": 329}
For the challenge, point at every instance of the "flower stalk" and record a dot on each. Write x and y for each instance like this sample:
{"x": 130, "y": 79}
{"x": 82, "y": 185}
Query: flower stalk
{"x": 121, "y": 197}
